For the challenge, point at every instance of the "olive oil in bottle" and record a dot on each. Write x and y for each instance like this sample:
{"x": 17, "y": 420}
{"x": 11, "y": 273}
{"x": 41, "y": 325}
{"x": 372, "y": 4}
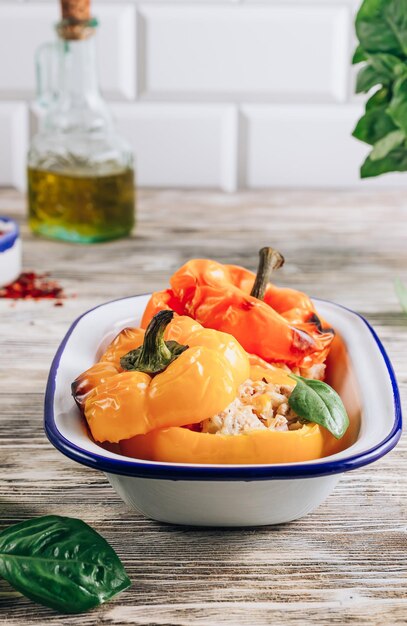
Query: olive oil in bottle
{"x": 80, "y": 207}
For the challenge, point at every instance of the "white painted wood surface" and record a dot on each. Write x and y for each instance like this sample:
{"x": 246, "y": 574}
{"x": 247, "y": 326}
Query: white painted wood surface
{"x": 344, "y": 564}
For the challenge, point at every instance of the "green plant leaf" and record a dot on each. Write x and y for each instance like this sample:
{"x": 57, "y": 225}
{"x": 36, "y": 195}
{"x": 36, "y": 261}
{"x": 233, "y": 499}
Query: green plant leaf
{"x": 61, "y": 562}
{"x": 380, "y": 98}
{"x": 380, "y": 69}
{"x": 385, "y": 145}
{"x": 315, "y": 401}
{"x": 395, "y": 161}
{"x": 401, "y": 291}
{"x": 381, "y": 26}
{"x": 369, "y": 77}
{"x": 375, "y": 123}
{"x": 359, "y": 55}
{"x": 398, "y": 105}
{"x": 387, "y": 65}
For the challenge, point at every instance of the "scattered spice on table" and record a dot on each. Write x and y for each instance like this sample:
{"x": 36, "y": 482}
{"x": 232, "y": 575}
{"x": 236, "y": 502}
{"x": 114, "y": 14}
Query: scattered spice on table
{"x": 33, "y": 286}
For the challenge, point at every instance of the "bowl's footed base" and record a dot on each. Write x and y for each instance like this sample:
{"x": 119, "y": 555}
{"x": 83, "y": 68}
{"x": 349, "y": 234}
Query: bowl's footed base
{"x": 223, "y": 503}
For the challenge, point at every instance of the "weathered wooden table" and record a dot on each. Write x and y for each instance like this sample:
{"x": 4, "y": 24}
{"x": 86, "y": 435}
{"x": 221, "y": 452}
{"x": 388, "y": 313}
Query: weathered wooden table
{"x": 345, "y": 563}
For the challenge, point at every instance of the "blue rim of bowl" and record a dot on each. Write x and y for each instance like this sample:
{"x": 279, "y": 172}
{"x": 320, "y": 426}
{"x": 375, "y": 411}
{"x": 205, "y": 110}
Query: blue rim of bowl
{"x": 7, "y": 240}
{"x": 169, "y": 471}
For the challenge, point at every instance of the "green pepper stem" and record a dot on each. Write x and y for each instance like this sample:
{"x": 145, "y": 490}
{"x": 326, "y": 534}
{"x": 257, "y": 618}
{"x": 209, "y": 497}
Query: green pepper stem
{"x": 269, "y": 260}
{"x": 154, "y": 346}
{"x": 155, "y": 354}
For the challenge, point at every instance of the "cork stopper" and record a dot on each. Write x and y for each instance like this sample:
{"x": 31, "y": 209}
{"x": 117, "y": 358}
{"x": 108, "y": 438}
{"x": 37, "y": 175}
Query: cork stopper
{"x": 75, "y": 10}
{"x": 76, "y": 20}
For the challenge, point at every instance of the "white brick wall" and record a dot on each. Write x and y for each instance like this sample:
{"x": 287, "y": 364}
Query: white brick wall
{"x": 216, "y": 94}
{"x": 183, "y": 145}
{"x": 240, "y": 52}
{"x": 13, "y": 143}
{"x": 24, "y": 26}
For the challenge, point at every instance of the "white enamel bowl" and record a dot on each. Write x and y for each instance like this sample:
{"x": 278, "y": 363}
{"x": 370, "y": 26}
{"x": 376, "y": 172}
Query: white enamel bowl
{"x": 228, "y": 495}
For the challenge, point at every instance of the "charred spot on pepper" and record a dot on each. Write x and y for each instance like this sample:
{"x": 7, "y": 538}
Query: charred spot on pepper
{"x": 315, "y": 321}
{"x": 80, "y": 388}
{"x": 78, "y": 392}
{"x": 86, "y": 382}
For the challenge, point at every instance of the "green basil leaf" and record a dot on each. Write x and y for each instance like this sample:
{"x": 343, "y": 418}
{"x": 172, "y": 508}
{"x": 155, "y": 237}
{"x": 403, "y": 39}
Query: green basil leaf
{"x": 398, "y": 105}
{"x": 317, "y": 402}
{"x": 395, "y": 161}
{"x": 385, "y": 145}
{"x": 401, "y": 291}
{"x": 359, "y": 55}
{"x": 381, "y": 26}
{"x": 61, "y": 562}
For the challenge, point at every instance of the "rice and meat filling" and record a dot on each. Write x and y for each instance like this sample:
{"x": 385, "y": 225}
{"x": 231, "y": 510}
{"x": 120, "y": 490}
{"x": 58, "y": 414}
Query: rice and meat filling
{"x": 260, "y": 405}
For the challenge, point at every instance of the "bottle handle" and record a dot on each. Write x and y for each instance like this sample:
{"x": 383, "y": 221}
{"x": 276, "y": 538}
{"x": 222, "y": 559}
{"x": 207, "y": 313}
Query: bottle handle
{"x": 46, "y": 74}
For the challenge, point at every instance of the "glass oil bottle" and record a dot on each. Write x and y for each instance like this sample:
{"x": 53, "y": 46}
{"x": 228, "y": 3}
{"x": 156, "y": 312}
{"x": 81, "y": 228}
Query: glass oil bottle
{"x": 80, "y": 171}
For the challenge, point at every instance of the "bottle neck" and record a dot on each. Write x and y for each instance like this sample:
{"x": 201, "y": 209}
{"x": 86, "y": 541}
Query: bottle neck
{"x": 77, "y": 105}
{"x": 77, "y": 70}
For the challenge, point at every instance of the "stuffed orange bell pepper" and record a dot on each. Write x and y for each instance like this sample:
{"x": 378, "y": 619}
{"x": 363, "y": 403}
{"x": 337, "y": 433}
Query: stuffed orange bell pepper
{"x": 251, "y": 437}
{"x": 278, "y": 325}
{"x": 160, "y": 382}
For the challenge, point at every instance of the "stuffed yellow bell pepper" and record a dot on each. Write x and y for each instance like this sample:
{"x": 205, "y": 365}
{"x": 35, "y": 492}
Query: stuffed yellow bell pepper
{"x": 160, "y": 382}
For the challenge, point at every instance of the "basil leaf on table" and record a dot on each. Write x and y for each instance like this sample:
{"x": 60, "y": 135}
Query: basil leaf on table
{"x": 61, "y": 562}
{"x": 315, "y": 401}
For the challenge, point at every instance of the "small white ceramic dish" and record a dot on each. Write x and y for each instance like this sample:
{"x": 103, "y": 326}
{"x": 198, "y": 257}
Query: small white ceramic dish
{"x": 228, "y": 495}
{"x": 10, "y": 251}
